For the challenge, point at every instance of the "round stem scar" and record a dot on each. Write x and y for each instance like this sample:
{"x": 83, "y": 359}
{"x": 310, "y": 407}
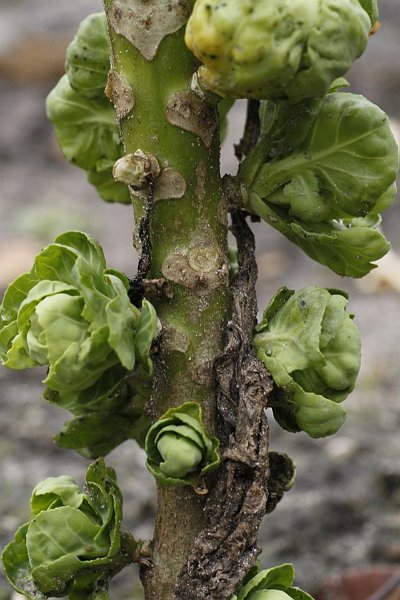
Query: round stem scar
{"x": 136, "y": 169}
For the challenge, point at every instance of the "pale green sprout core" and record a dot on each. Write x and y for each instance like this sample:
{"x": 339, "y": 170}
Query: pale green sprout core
{"x": 268, "y": 595}
{"x": 181, "y": 456}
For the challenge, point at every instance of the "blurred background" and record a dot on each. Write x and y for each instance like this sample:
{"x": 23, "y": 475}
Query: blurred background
{"x": 344, "y": 510}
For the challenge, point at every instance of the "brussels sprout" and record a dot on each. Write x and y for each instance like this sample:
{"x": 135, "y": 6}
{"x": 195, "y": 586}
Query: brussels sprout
{"x": 179, "y": 451}
{"x": 271, "y": 584}
{"x": 335, "y": 161}
{"x": 320, "y": 173}
{"x": 73, "y": 536}
{"x": 88, "y": 57}
{"x": 311, "y": 347}
{"x": 285, "y": 49}
{"x": 83, "y": 117}
{"x": 74, "y": 315}
{"x": 70, "y": 313}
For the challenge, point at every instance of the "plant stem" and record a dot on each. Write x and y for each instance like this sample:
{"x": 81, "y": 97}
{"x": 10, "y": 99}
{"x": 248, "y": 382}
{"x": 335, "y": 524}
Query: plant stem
{"x": 188, "y": 225}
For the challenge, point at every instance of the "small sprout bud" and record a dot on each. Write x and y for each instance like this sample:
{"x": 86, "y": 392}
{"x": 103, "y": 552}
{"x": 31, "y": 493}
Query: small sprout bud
{"x": 271, "y": 584}
{"x": 135, "y": 169}
{"x": 179, "y": 451}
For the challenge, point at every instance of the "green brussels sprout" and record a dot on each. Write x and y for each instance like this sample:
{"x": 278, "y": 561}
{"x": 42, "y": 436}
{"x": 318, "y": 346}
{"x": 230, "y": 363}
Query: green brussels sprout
{"x": 275, "y": 583}
{"x": 72, "y": 538}
{"x": 320, "y": 173}
{"x": 74, "y": 315}
{"x": 179, "y": 451}
{"x": 70, "y": 313}
{"x": 311, "y": 347}
{"x": 83, "y": 117}
{"x": 285, "y": 49}
{"x": 340, "y": 159}
{"x": 88, "y": 57}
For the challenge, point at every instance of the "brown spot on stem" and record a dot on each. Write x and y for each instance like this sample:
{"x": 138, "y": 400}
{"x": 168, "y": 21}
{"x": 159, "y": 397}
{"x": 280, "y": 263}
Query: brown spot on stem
{"x": 175, "y": 339}
{"x": 120, "y": 93}
{"x": 170, "y": 184}
{"x": 201, "y": 268}
{"x": 201, "y": 177}
{"x": 188, "y": 111}
{"x": 134, "y": 20}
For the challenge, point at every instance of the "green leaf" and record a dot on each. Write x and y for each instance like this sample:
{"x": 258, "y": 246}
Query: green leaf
{"x": 146, "y": 331}
{"x": 97, "y": 433}
{"x": 56, "y": 490}
{"x": 88, "y": 57}
{"x": 107, "y": 414}
{"x": 347, "y": 160}
{"x": 270, "y": 595}
{"x": 277, "y": 578}
{"x": 347, "y": 247}
{"x": 74, "y": 315}
{"x": 371, "y": 8}
{"x": 108, "y": 189}
{"x": 294, "y": 331}
{"x": 83, "y": 117}
{"x": 316, "y": 415}
{"x": 86, "y": 129}
{"x": 16, "y": 566}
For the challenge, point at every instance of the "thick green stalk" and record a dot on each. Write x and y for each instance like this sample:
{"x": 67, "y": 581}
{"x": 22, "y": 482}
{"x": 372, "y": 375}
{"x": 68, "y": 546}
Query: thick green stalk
{"x": 161, "y": 116}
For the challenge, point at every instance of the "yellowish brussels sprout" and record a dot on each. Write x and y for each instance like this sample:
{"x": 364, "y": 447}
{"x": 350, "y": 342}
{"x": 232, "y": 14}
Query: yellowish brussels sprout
{"x": 280, "y": 49}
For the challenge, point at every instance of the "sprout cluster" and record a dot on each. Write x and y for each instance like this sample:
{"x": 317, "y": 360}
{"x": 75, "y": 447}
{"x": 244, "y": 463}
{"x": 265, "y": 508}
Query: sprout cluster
{"x": 311, "y": 347}
{"x": 72, "y": 314}
{"x": 285, "y": 49}
{"x": 321, "y": 173}
{"x": 72, "y": 539}
{"x": 83, "y": 117}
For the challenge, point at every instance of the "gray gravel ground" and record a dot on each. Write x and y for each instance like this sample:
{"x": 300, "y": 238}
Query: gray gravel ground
{"x": 345, "y": 507}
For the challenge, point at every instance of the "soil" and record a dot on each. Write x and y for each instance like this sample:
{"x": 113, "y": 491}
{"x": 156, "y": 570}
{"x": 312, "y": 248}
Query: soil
{"x": 344, "y": 510}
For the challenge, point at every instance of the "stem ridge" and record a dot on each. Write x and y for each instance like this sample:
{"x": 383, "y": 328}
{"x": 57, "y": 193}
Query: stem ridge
{"x": 227, "y": 547}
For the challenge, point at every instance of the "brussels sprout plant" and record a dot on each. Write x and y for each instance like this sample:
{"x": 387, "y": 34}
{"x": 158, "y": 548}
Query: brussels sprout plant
{"x": 173, "y": 356}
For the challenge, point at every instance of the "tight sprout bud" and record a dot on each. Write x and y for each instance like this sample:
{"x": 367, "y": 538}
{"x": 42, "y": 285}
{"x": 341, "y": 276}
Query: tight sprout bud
{"x": 135, "y": 169}
{"x": 271, "y": 584}
{"x": 285, "y": 49}
{"x": 179, "y": 451}
{"x": 311, "y": 347}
